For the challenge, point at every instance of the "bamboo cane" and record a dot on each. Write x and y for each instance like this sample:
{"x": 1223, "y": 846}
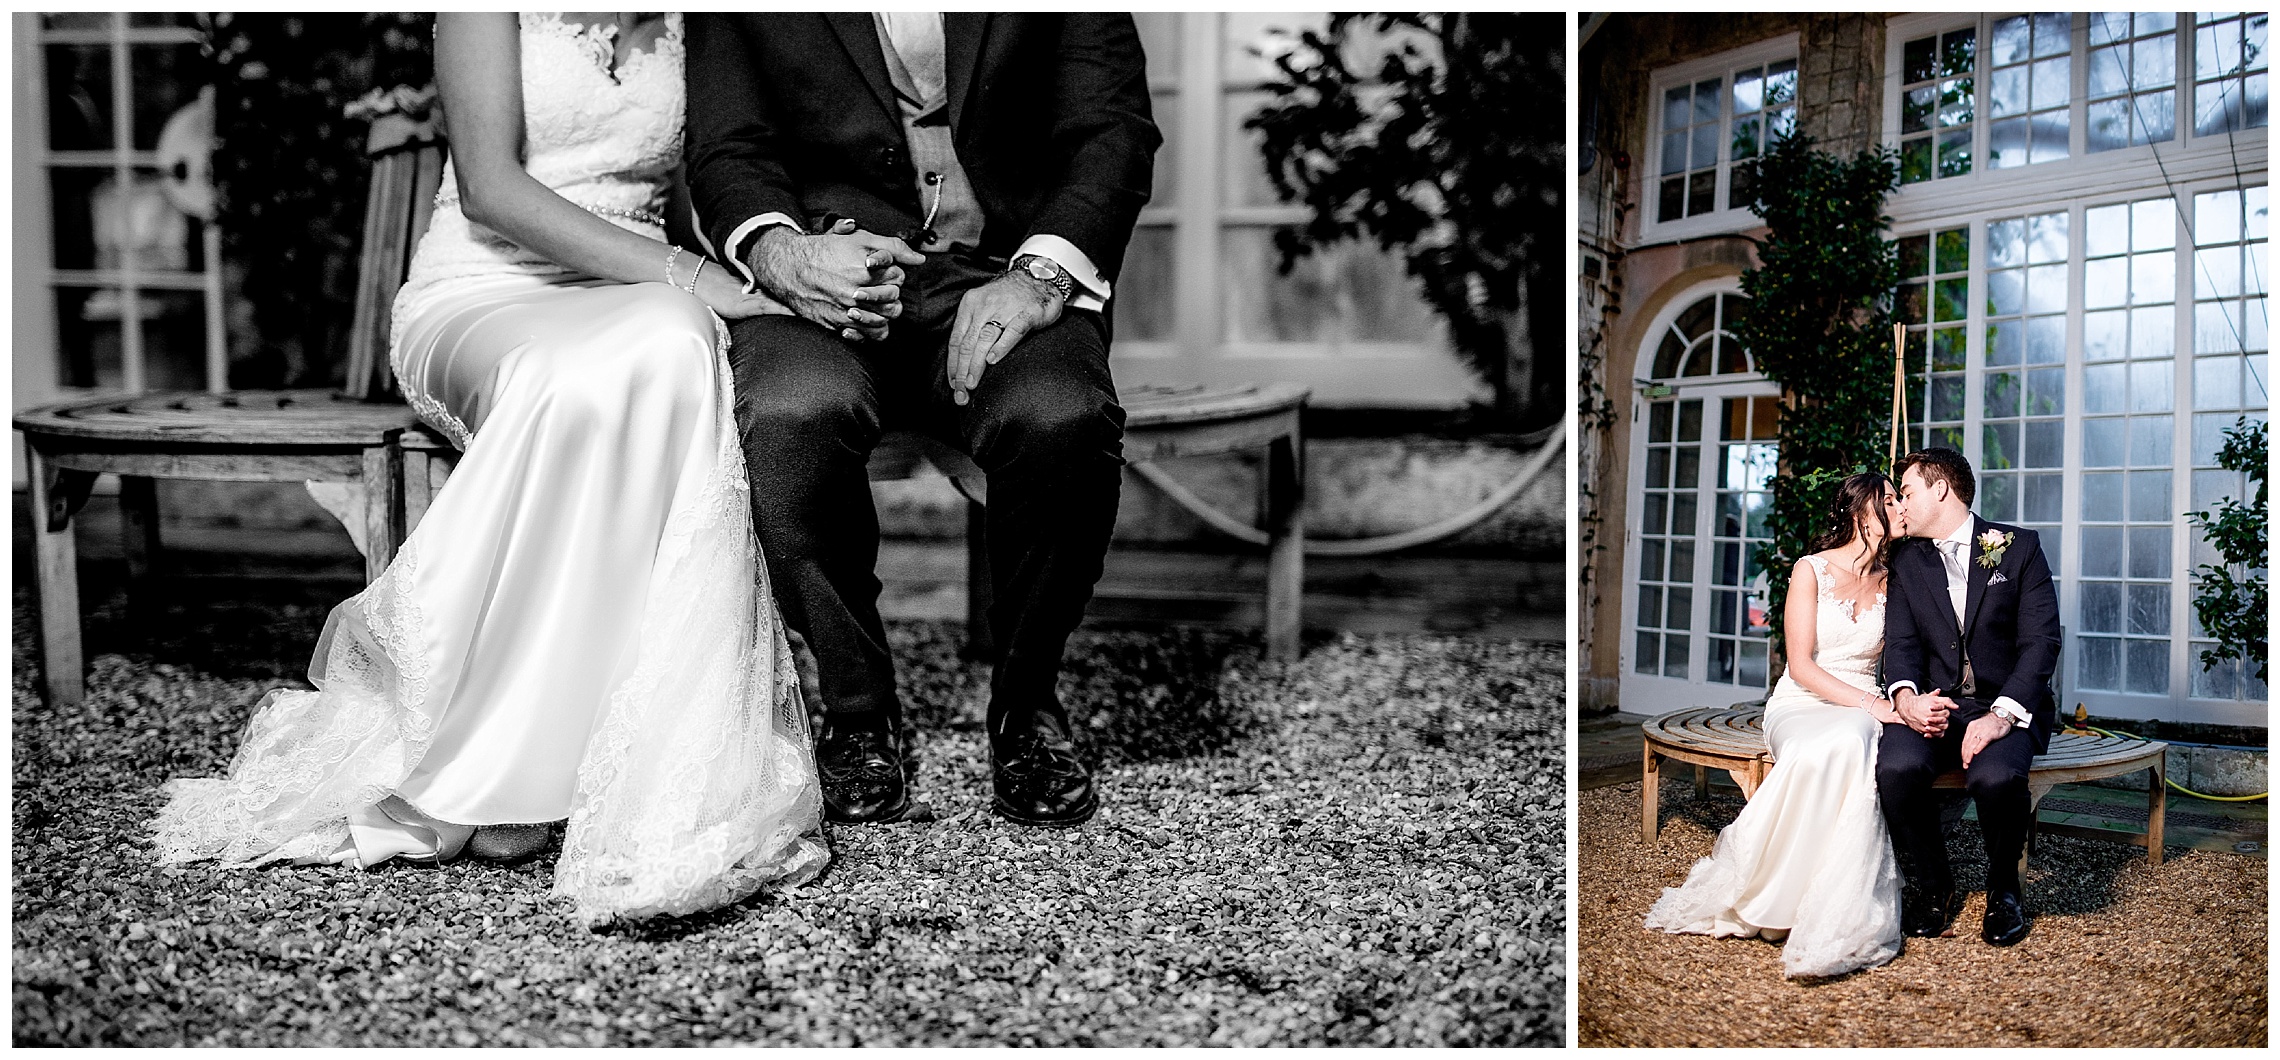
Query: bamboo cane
{"x": 1899, "y": 394}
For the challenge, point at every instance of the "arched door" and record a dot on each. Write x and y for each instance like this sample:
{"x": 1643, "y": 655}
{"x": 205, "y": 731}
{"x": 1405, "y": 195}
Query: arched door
{"x": 1703, "y": 457}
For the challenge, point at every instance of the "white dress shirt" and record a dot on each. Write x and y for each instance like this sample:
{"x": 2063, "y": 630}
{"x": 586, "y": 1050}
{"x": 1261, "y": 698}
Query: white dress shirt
{"x": 917, "y": 39}
{"x": 1955, "y": 555}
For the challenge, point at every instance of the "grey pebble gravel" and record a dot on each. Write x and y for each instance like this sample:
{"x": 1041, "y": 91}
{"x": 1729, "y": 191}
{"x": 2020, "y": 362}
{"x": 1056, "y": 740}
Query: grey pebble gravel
{"x": 1363, "y": 847}
{"x": 2121, "y": 953}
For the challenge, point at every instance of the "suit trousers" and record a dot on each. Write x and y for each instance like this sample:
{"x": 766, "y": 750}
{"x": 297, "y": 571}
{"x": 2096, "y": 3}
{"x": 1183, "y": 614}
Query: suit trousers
{"x": 1906, "y": 764}
{"x": 1044, "y": 426}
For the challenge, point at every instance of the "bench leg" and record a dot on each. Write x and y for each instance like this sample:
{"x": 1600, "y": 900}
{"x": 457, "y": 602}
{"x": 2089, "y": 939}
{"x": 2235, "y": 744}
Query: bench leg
{"x": 1650, "y": 795}
{"x": 2156, "y": 810}
{"x": 2035, "y": 792}
{"x": 383, "y": 508}
{"x": 1286, "y": 548}
{"x": 1701, "y": 782}
{"x": 138, "y": 519}
{"x": 57, "y": 495}
{"x": 419, "y": 488}
{"x": 979, "y": 593}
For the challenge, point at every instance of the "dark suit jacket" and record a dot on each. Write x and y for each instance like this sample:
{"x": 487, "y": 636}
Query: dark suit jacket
{"x": 795, "y": 114}
{"x": 2010, "y": 626}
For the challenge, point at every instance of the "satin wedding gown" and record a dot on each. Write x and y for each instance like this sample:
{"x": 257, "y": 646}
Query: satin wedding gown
{"x": 1808, "y": 859}
{"x": 580, "y": 628}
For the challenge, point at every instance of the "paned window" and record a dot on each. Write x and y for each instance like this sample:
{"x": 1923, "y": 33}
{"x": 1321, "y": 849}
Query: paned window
{"x": 1937, "y": 103}
{"x": 136, "y": 295}
{"x": 2023, "y": 385}
{"x": 1759, "y": 108}
{"x": 2133, "y": 79}
{"x": 2230, "y": 69}
{"x": 2029, "y": 87}
{"x": 2129, "y": 281}
{"x": 1671, "y": 509}
{"x": 1748, "y": 458}
{"x": 1202, "y": 297}
{"x": 1698, "y": 599}
{"x": 2229, "y": 381}
{"x": 1935, "y": 303}
{"x": 1700, "y": 341}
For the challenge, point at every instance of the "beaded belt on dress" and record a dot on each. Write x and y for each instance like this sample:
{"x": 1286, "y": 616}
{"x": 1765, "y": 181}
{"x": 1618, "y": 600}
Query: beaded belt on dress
{"x": 449, "y": 197}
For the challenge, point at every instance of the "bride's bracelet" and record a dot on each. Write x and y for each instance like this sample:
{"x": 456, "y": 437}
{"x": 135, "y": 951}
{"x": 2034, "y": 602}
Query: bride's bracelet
{"x": 699, "y": 271}
{"x": 671, "y": 256}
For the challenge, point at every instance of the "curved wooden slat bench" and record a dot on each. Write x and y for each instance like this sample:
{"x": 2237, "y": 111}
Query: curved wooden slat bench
{"x": 1159, "y": 422}
{"x": 1733, "y": 739}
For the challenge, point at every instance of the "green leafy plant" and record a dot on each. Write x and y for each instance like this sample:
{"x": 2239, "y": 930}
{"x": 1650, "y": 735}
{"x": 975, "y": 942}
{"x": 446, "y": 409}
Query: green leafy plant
{"x": 1819, "y": 322}
{"x": 290, "y": 169}
{"x": 2232, "y": 600}
{"x": 1450, "y": 156}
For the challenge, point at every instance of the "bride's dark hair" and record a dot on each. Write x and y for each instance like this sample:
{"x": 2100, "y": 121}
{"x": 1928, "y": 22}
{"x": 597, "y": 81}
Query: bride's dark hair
{"x": 1859, "y": 497}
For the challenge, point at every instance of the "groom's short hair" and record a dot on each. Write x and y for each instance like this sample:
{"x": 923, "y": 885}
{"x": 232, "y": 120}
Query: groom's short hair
{"x": 1940, "y": 464}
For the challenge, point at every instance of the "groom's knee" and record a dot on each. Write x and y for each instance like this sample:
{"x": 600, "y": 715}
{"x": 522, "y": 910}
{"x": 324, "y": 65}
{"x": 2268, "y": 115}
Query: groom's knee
{"x": 799, "y": 390}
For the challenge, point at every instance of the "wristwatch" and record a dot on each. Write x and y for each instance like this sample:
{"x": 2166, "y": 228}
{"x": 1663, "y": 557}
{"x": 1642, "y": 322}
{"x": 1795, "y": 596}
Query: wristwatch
{"x": 1047, "y": 271}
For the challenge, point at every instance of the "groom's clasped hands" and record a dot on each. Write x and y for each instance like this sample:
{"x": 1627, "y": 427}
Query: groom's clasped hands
{"x": 846, "y": 279}
{"x": 1928, "y": 714}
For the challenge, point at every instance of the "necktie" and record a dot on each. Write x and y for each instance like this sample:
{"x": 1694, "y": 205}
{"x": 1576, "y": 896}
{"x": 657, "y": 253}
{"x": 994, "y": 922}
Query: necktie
{"x": 1952, "y": 552}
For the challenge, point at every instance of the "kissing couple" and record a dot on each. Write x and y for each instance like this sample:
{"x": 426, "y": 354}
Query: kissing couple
{"x": 907, "y": 220}
{"x": 1840, "y": 853}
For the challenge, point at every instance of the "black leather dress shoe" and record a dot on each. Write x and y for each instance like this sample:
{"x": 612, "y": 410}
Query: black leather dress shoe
{"x": 864, "y": 773}
{"x": 2006, "y": 921}
{"x": 1925, "y": 912}
{"x": 1038, "y": 780}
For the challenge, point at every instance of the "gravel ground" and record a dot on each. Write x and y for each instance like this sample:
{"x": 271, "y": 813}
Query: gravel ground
{"x": 2121, "y": 953}
{"x": 1364, "y": 847}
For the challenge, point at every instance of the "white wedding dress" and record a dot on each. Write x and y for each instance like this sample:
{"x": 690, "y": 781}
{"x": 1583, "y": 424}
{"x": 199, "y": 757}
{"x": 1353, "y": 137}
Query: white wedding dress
{"x": 1808, "y": 859}
{"x": 580, "y": 628}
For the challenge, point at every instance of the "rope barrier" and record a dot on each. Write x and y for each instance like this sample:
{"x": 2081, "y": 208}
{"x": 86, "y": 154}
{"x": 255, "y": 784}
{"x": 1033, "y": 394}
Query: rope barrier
{"x": 1363, "y": 546}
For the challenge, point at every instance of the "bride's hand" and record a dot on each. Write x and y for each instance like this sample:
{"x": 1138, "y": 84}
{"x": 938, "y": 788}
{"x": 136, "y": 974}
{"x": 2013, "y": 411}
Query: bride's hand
{"x": 721, "y": 289}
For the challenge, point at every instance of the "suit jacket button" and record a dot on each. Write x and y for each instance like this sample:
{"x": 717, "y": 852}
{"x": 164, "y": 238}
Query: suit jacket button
{"x": 890, "y": 156}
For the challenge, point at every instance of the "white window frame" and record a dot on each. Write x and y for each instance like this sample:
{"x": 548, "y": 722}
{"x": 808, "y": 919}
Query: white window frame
{"x": 2178, "y": 705}
{"x": 1652, "y": 693}
{"x": 1716, "y": 222}
{"x": 37, "y": 371}
{"x": 2184, "y": 158}
{"x": 1425, "y": 373}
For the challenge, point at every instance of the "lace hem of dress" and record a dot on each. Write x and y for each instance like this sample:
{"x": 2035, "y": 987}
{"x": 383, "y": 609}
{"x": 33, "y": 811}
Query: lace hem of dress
{"x": 651, "y": 831}
{"x": 310, "y": 758}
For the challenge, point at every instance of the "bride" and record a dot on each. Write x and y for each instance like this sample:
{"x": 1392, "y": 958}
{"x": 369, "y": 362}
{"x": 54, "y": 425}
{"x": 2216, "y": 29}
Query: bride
{"x": 581, "y": 628}
{"x": 1808, "y": 860}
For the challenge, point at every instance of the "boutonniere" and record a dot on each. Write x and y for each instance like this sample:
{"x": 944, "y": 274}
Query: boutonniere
{"x": 1991, "y": 547}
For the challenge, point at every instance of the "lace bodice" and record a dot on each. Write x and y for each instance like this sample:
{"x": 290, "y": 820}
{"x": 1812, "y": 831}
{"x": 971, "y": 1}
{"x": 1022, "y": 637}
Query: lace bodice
{"x": 605, "y": 139}
{"x": 1843, "y": 642}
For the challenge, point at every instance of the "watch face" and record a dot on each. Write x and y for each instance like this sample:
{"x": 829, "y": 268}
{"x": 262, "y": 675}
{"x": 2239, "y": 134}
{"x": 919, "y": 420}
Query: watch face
{"x": 1041, "y": 269}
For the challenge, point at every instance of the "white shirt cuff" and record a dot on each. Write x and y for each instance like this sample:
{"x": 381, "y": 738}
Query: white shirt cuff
{"x": 1091, "y": 290}
{"x": 734, "y": 252}
{"x": 2010, "y": 708}
{"x": 1894, "y": 691}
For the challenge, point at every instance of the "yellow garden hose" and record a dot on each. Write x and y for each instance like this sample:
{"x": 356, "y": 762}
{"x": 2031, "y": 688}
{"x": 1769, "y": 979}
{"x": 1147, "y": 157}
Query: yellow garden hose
{"x": 2119, "y": 735}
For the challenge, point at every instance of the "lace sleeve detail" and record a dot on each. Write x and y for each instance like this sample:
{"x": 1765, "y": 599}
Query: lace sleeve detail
{"x": 1823, "y": 581}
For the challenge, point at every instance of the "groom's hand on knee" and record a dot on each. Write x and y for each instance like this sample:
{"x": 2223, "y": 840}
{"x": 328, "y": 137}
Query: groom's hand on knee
{"x": 1982, "y": 731}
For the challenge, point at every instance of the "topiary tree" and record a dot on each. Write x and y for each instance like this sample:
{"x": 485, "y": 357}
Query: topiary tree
{"x": 1819, "y": 321}
{"x": 1452, "y": 160}
{"x": 2233, "y": 607}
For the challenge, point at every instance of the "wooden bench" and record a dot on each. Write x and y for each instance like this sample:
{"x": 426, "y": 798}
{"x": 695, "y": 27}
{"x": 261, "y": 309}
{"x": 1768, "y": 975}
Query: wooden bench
{"x": 325, "y": 436}
{"x": 1733, "y": 739}
{"x": 1159, "y": 422}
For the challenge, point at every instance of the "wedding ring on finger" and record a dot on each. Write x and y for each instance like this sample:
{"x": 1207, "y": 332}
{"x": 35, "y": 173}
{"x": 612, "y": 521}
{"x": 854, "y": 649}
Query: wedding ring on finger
{"x": 995, "y": 324}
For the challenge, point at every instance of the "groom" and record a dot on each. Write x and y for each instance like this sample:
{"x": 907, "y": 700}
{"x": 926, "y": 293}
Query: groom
{"x": 943, "y": 200}
{"x": 1971, "y": 639}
